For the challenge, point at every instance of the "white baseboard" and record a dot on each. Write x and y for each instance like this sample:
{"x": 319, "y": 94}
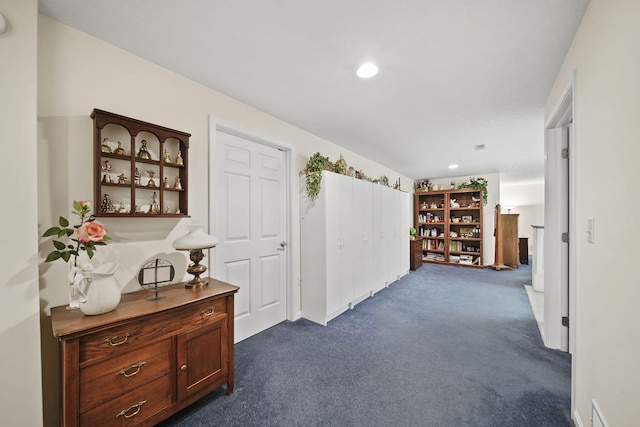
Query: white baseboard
{"x": 576, "y": 419}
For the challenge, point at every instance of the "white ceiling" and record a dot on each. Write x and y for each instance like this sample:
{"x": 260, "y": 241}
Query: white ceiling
{"x": 453, "y": 73}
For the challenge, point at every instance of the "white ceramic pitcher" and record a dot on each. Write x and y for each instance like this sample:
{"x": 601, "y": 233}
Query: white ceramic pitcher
{"x": 98, "y": 290}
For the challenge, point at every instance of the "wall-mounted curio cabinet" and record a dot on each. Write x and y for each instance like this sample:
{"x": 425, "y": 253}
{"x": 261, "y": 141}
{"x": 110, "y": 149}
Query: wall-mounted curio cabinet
{"x": 140, "y": 168}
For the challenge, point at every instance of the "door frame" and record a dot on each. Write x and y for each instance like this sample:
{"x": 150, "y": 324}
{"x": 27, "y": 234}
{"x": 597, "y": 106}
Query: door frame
{"x": 292, "y": 230}
{"x": 562, "y": 114}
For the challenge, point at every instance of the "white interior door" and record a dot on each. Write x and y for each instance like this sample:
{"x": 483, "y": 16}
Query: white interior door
{"x": 556, "y": 248}
{"x": 249, "y": 208}
{"x": 340, "y": 246}
{"x": 380, "y": 241}
{"x": 362, "y": 236}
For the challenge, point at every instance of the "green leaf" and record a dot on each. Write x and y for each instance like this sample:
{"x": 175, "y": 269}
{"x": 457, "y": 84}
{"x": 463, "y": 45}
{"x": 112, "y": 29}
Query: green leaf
{"x": 59, "y": 245}
{"x": 106, "y": 238}
{"x": 63, "y": 222}
{"x": 53, "y": 256}
{"x": 90, "y": 252}
{"x": 51, "y": 232}
{"x": 66, "y": 256}
{"x": 69, "y": 232}
{"x": 73, "y": 252}
{"x": 77, "y": 206}
{"x": 99, "y": 244}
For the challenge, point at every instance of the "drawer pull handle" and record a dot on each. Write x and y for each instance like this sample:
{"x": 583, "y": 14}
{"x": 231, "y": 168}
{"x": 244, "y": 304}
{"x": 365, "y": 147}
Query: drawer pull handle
{"x": 183, "y": 368}
{"x": 135, "y": 408}
{"x": 116, "y": 341}
{"x": 132, "y": 370}
{"x": 208, "y": 312}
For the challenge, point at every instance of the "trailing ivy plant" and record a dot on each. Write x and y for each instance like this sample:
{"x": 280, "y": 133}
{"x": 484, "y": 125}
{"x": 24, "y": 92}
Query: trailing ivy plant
{"x": 477, "y": 184}
{"x": 316, "y": 164}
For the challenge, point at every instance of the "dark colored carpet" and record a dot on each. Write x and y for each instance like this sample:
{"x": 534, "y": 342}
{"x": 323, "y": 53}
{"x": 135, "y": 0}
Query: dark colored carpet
{"x": 443, "y": 346}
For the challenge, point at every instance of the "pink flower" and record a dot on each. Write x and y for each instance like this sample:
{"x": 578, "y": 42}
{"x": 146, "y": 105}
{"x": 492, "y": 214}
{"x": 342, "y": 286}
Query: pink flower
{"x": 91, "y": 231}
{"x": 85, "y": 203}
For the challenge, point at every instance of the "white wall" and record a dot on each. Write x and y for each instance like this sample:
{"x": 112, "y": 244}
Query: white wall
{"x": 526, "y": 200}
{"x": 488, "y": 212}
{"x": 604, "y": 54}
{"x": 20, "y": 394}
{"x": 76, "y": 73}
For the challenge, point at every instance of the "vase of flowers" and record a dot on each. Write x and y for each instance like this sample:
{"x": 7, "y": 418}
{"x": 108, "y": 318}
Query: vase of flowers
{"x": 83, "y": 237}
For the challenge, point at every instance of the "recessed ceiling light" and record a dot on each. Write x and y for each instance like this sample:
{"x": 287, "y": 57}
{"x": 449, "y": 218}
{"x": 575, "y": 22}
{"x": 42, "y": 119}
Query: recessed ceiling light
{"x": 453, "y": 166}
{"x": 367, "y": 70}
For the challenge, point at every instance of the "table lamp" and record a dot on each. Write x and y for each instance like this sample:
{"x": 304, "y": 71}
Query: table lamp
{"x": 194, "y": 242}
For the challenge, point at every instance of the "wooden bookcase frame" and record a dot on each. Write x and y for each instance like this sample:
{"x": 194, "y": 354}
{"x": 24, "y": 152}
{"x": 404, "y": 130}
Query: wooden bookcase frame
{"x": 172, "y": 202}
{"x": 434, "y": 210}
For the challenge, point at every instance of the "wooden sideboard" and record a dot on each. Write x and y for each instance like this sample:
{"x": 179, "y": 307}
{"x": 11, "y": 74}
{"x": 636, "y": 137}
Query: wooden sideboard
{"x": 146, "y": 360}
{"x": 415, "y": 252}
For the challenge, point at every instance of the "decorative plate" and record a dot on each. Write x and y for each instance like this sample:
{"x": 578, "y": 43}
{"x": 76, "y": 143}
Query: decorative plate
{"x": 154, "y": 274}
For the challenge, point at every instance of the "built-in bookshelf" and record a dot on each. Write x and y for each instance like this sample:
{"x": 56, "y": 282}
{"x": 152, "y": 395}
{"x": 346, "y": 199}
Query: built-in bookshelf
{"x": 449, "y": 224}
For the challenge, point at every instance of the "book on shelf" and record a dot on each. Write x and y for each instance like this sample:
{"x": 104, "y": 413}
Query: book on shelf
{"x": 466, "y": 259}
{"x": 430, "y": 256}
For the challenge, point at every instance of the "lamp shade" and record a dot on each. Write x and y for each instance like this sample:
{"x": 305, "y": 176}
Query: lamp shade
{"x": 195, "y": 239}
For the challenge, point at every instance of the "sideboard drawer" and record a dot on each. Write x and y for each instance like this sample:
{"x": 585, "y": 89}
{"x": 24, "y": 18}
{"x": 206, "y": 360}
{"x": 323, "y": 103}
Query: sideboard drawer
{"x": 115, "y": 376}
{"x": 204, "y": 313}
{"x": 113, "y": 341}
{"x": 133, "y": 407}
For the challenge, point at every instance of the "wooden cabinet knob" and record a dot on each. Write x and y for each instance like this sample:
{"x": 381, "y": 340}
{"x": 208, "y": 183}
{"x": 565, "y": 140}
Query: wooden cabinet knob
{"x": 183, "y": 368}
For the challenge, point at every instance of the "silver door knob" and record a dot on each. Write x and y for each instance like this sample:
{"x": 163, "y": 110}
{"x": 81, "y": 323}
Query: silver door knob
{"x": 282, "y": 245}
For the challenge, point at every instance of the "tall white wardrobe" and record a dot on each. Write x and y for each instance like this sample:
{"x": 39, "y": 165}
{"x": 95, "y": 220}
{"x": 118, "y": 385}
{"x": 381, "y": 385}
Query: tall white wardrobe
{"x": 354, "y": 242}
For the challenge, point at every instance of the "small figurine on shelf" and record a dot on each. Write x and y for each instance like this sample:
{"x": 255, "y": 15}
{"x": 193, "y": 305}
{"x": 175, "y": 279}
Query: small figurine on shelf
{"x": 122, "y": 178}
{"x": 151, "y": 182}
{"x": 166, "y": 157}
{"x": 177, "y": 211}
{"x": 137, "y": 177}
{"x": 351, "y": 172}
{"x": 143, "y": 153}
{"x": 177, "y": 185}
{"x": 122, "y": 209}
{"x": 105, "y": 147}
{"x": 107, "y": 205}
{"x": 154, "y": 209}
{"x": 165, "y": 182}
{"x": 167, "y": 210}
{"x": 120, "y": 151}
{"x": 179, "y": 160}
{"x": 340, "y": 166}
{"x": 107, "y": 168}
